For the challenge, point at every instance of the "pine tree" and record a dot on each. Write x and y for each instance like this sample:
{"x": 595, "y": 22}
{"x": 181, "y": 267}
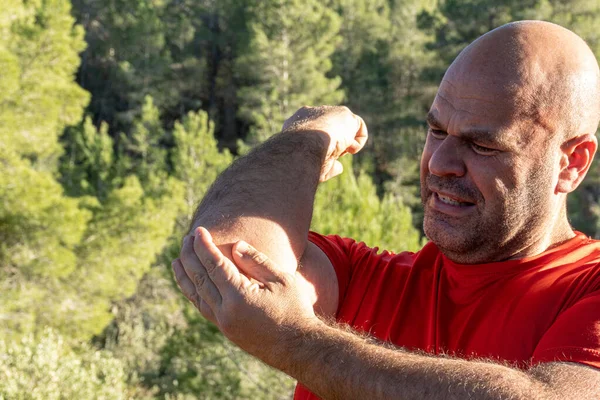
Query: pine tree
{"x": 87, "y": 168}
{"x": 127, "y": 48}
{"x": 196, "y": 158}
{"x": 455, "y": 23}
{"x": 349, "y": 206}
{"x": 39, "y": 49}
{"x": 286, "y": 63}
{"x": 64, "y": 259}
{"x": 39, "y": 226}
{"x": 145, "y": 155}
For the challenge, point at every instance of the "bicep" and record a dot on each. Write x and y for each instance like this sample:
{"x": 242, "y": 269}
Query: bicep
{"x": 566, "y": 381}
{"x": 268, "y": 237}
{"x": 316, "y": 272}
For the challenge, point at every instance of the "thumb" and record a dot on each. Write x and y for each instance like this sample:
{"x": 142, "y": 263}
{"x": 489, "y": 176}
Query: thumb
{"x": 335, "y": 169}
{"x": 256, "y": 264}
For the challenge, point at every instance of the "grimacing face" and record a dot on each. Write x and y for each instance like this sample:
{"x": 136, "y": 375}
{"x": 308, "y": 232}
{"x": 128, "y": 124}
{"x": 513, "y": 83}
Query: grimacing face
{"x": 488, "y": 173}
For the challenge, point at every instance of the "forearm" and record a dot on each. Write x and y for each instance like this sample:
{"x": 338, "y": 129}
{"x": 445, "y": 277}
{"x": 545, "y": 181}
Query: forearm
{"x": 266, "y": 197}
{"x": 338, "y": 364}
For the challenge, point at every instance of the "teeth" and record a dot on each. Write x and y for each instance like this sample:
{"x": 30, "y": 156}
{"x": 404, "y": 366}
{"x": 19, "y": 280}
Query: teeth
{"x": 448, "y": 200}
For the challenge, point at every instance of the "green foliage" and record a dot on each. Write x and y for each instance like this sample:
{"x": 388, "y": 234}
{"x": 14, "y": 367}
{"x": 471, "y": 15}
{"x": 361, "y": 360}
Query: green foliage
{"x": 39, "y": 227}
{"x": 581, "y": 16}
{"x": 112, "y": 251}
{"x": 86, "y": 168}
{"x": 285, "y": 65}
{"x": 196, "y": 158}
{"x": 39, "y": 49}
{"x": 144, "y": 154}
{"x": 127, "y": 46}
{"x": 64, "y": 259}
{"x": 349, "y": 206}
{"x": 90, "y": 222}
{"x": 456, "y": 23}
{"x": 141, "y": 327}
{"x": 46, "y": 368}
{"x": 202, "y": 361}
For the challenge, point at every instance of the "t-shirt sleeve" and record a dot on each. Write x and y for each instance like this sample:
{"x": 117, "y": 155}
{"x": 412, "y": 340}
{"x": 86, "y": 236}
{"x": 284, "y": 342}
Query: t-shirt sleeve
{"x": 574, "y": 336}
{"x": 343, "y": 253}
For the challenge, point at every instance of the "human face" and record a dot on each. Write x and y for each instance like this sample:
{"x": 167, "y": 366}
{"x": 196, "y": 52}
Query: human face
{"x": 487, "y": 173}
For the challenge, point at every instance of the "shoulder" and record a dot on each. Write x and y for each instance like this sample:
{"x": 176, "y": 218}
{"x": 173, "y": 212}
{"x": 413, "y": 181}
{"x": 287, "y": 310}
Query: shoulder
{"x": 360, "y": 266}
{"x": 349, "y": 254}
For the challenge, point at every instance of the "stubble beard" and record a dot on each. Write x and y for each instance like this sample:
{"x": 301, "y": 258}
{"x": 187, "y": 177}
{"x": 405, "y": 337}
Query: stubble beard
{"x": 497, "y": 230}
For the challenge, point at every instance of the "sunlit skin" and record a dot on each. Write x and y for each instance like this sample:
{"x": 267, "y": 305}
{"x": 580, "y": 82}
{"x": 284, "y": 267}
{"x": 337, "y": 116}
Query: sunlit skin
{"x": 511, "y": 133}
{"x": 495, "y": 145}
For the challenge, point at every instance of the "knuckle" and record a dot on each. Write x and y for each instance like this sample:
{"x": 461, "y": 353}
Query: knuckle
{"x": 259, "y": 258}
{"x": 213, "y": 264}
{"x": 199, "y": 279}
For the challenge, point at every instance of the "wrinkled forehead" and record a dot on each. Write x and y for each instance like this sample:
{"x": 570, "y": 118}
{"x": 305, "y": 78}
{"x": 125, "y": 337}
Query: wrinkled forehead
{"x": 485, "y": 103}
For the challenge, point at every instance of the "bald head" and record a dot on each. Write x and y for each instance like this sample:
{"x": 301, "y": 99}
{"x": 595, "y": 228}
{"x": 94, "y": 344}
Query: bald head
{"x": 547, "y": 71}
{"x": 511, "y": 133}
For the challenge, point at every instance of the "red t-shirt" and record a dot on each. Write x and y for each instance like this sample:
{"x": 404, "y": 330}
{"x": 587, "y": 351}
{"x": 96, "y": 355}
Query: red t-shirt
{"x": 527, "y": 311}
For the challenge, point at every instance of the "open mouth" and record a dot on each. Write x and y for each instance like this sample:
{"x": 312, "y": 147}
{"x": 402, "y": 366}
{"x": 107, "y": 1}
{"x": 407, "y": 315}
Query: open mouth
{"x": 452, "y": 202}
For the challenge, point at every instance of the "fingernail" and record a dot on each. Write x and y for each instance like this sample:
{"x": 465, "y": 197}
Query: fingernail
{"x": 242, "y": 247}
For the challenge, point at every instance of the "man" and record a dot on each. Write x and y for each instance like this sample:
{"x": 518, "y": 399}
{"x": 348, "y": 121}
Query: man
{"x": 504, "y": 302}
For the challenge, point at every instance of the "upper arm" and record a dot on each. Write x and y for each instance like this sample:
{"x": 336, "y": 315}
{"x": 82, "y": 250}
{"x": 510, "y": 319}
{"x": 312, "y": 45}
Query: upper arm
{"x": 567, "y": 381}
{"x": 268, "y": 237}
{"x": 315, "y": 270}
{"x": 317, "y": 273}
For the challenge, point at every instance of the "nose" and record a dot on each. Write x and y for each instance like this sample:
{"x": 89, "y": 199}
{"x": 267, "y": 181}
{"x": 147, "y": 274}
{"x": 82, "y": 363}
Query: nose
{"x": 446, "y": 159}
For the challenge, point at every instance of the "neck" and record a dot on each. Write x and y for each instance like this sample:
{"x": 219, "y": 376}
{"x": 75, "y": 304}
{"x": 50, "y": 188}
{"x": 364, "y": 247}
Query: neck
{"x": 555, "y": 233}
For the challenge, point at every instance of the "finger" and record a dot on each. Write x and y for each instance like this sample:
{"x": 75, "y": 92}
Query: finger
{"x": 360, "y": 138}
{"x": 256, "y": 264}
{"x": 207, "y": 312}
{"x": 221, "y": 270}
{"x": 183, "y": 281}
{"x": 336, "y": 169}
{"x": 198, "y": 274}
{"x": 189, "y": 290}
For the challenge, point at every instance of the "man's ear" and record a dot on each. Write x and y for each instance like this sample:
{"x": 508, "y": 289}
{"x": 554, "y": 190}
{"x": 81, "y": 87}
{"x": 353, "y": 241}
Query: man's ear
{"x": 576, "y": 158}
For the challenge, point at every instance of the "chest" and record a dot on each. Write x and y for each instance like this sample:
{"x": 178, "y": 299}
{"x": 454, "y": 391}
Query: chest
{"x": 498, "y": 318}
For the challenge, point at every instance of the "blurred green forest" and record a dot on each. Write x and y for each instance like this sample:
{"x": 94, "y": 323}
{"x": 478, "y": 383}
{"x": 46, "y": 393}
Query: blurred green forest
{"x": 116, "y": 116}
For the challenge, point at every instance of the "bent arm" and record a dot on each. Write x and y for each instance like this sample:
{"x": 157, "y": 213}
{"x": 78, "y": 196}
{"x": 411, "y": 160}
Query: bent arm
{"x": 266, "y": 198}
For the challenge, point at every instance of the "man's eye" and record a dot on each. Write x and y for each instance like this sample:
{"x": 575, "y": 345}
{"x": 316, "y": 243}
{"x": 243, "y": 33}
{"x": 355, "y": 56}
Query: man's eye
{"x": 438, "y": 134}
{"x": 484, "y": 151}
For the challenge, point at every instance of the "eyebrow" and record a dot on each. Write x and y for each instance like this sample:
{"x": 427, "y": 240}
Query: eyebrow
{"x": 479, "y": 135}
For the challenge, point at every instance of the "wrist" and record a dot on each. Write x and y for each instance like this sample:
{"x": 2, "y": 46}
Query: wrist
{"x": 313, "y": 141}
{"x": 298, "y": 345}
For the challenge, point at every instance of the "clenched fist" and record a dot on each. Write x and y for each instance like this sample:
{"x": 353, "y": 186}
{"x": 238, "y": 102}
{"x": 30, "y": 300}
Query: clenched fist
{"x": 346, "y": 132}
